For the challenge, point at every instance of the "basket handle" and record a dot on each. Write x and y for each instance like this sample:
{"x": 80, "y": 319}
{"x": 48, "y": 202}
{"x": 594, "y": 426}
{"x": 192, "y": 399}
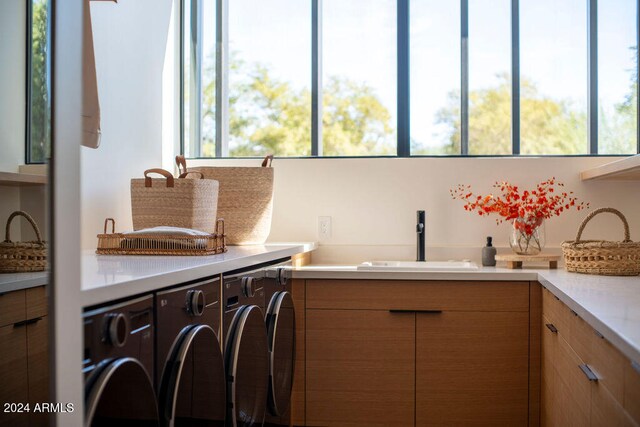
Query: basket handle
{"x": 184, "y": 174}
{"x": 7, "y": 235}
{"x": 627, "y": 236}
{"x": 166, "y": 174}
{"x": 268, "y": 159}
{"x": 113, "y": 225}
{"x": 181, "y": 162}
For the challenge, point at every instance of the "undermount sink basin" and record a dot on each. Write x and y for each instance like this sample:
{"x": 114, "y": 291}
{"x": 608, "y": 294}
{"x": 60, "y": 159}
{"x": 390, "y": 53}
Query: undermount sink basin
{"x": 418, "y": 266}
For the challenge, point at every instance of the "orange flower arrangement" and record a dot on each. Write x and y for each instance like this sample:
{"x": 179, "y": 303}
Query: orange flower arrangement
{"x": 532, "y": 206}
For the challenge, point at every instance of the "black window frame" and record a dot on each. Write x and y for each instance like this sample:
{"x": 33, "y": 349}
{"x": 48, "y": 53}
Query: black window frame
{"x": 404, "y": 83}
{"x": 29, "y": 79}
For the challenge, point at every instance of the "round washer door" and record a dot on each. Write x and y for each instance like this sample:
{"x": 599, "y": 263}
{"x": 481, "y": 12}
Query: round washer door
{"x": 247, "y": 364}
{"x": 120, "y": 393}
{"x": 281, "y": 329}
{"x": 192, "y": 390}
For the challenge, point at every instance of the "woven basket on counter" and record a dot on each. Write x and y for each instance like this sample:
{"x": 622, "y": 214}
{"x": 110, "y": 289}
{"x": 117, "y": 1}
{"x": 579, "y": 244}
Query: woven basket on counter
{"x": 245, "y": 201}
{"x": 602, "y": 257}
{"x": 160, "y": 244}
{"x": 182, "y": 203}
{"x": 20, "y": 257}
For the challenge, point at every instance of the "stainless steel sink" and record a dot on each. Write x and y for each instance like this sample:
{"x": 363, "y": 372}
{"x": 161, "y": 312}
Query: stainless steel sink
{"x": 418, "y": 266}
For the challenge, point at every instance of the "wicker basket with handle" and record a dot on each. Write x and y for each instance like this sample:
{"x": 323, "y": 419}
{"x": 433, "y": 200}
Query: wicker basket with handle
{"x": 602, "y": 257}
{"x": 246, "y": 199}
{"x": 184, "y": 203}
{"x": 19, "y": 257}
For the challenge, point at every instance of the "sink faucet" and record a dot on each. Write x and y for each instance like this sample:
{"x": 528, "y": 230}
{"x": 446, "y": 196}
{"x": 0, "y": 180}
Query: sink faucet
{"x": 420, "y": 232}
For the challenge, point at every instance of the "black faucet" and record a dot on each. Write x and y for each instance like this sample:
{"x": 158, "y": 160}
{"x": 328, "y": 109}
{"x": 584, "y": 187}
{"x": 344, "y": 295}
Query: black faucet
{"x": 420, "y": 231}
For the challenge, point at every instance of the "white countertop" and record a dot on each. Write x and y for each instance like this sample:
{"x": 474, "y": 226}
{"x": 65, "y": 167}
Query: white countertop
{"x": 611, "y": 305}
{"x": 110, "y": 277}
{"x": 16, "y": 281}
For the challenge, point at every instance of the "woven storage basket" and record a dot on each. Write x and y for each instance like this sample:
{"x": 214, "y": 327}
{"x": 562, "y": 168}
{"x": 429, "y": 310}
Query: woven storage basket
{"x": 245, "y": 201}
{"x": 602, "y": 257}
{"x": 18, "y": 257}
{"x": 184, "y": 203}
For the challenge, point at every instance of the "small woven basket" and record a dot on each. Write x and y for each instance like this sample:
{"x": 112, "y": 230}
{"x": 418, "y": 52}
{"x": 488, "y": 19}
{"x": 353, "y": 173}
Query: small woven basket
{"x": 20, "y": 257}
{"x": 602, "y": 257}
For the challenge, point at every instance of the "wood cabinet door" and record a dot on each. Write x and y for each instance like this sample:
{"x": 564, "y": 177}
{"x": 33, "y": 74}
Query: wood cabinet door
{"x": 472, "y": 368}
{"x": 360, "y": 368}
{"x": 38, "y": 363}
{"x": 13, "y": 373}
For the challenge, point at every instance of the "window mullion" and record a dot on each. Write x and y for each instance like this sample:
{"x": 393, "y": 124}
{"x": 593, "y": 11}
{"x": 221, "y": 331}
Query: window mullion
{"x": 222, "y": 78}
{"x": 316, "y": 78}
{"x": 515, "y": 77}
{"x": 592, "y": 43}
{"x": 464, "y": 77}
{"x": 403, "y": 96}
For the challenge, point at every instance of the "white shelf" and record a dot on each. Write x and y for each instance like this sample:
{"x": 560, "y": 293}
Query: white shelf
{"x": 621, "y": 170}
{"x": 16, "y": 179}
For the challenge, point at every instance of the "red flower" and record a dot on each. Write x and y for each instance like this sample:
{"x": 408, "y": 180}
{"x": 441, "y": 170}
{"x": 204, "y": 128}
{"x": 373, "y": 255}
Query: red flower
{"x": 533, "y": 206}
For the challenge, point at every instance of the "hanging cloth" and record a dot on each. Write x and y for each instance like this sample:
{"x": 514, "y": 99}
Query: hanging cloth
{"x": 91, "y": 133}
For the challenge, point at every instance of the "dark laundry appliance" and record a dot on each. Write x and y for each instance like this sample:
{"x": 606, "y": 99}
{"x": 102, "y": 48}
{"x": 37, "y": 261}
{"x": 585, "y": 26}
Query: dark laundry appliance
{"x": 246, "y": 349}
{"x": 118, "y": 365}
{"x": 280, "y": 322}
{"x": 190, "y": 369}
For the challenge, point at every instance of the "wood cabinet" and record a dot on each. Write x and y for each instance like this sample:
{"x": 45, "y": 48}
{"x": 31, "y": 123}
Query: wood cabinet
{"x": 472, "y": 368}
{"x": 583, "y": 375}
{"x": 405, "y": 353}
{"x": 24, "y": 361}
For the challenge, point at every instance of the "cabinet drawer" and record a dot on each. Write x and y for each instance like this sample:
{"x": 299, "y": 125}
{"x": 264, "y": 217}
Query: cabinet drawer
{"x": 631, "y": 401}
{"x": 417, "y": 295}
{"x": 12, "y": 307}
{"x": 36, "y": 302}
{"x": 556, "y": 313}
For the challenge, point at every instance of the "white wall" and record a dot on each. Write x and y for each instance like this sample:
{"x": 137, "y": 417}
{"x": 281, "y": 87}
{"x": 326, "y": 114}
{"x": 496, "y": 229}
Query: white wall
{"x": 13, "y": 18}
{"x": 372, "y": 203}
{"x": 130, "y": 39}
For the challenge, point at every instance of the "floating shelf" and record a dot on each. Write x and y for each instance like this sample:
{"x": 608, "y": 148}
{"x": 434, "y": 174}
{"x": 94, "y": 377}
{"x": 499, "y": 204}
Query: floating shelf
{"x": 16, "y": 179}
{"x": 621, "y": 170}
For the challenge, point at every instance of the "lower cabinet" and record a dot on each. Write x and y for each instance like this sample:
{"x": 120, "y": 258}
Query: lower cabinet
{"x": 422, "y": 353}
{"x": 472, "y": 368}
{"x": 585, "y": 380}
{"x": 24, "y": 360}
{"x": 360, "y": 368}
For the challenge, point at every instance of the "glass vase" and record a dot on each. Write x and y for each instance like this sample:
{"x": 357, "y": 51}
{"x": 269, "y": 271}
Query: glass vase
{"x": 527, "y": 236}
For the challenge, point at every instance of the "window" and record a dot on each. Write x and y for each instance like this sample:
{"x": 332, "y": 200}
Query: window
{"x": 38, "y": 82}
{"x": 409, "y": 77}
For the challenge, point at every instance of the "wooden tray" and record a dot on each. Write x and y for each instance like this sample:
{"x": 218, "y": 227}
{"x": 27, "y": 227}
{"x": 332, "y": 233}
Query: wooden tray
{"x": 160, "y": 244}
{"x": 515, "y": 261}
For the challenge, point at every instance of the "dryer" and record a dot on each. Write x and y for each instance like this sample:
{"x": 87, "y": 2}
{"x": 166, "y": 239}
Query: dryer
{"x": 118, "y": 364}
{"x": 246, "y": 348}
{"x": 190, "y": 370}
{"x": 280, "y": 323}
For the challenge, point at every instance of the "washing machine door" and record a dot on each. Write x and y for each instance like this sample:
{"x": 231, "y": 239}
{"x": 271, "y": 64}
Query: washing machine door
{"x": 192, "y": 390}
{"x": 119, "y": 393}
{"x": 247, "y": 365}
{"x": 281, "y": 330}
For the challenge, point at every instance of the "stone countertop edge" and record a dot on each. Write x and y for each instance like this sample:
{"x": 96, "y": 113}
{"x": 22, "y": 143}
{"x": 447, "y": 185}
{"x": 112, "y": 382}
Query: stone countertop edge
{"x": 609, "y": 304}
{"x": 108, "y": 278}
{"x": 10, "y": 282}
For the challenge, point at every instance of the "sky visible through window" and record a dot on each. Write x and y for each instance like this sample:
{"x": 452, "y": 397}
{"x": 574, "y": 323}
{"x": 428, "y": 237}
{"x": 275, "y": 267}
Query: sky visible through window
{"x": 270, "y": 76}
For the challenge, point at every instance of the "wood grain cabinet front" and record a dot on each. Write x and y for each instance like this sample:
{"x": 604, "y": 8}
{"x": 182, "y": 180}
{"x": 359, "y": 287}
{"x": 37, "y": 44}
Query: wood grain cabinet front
{"x": 24, "y": 360}
{"x": 585, "y": 380}
{"x": 400, "y": 353}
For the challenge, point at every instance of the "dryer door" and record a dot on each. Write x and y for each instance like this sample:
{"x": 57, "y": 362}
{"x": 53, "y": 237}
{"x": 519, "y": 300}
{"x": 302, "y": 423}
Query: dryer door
{"x": 192, "y": 390}
{"x": 120, "y": 393}
{"x": 281, "y": 329}
{"x": 247, "y": 364}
